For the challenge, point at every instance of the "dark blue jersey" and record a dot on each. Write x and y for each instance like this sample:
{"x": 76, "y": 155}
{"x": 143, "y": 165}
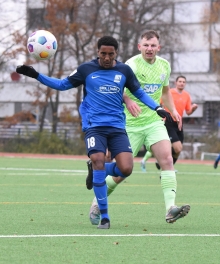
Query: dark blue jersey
{"x": 102, "y": 103}
{"x": 103, "y": 90}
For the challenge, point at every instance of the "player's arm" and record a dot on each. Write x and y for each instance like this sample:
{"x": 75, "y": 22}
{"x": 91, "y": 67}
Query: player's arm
{"x": 54, "y": 83}
{"x": 148, "y": 101}
{"x": 167, "y": 100}
{"x": 189, "y": 107}
{"x": 192, "y": 109}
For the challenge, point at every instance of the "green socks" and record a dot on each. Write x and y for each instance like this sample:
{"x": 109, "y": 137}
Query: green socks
{"x": 147, "y": 156}
{"x": 111, "y": 184}
{"x": 169, "y": 186}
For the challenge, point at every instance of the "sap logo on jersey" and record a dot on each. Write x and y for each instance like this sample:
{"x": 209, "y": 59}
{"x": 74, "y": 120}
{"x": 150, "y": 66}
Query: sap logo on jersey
{"x": 151, "y": 88}
{"x": 108, "y": 89}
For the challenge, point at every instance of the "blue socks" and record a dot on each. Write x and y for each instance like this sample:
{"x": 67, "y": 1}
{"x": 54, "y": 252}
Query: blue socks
{"x": 113, "y": 170}
{"x": 100, "y": 190}
{"x": 100, "y": 187}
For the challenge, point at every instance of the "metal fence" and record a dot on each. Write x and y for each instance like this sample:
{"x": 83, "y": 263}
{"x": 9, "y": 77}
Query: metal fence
{"x": 64, "y": 131}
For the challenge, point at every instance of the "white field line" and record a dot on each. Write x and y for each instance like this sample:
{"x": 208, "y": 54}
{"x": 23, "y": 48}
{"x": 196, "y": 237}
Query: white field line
{"x": 33, "y": 174}
{"x": 110, "y": 235}
{"x": 35, "y": 169}
{"x": 85, "y": 171}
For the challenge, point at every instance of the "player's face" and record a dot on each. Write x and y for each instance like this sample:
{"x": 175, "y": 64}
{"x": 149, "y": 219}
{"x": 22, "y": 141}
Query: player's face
{"x": 149, "y": 49}
{"x": 107, "y": 56}
{"x": 180, "y": 83}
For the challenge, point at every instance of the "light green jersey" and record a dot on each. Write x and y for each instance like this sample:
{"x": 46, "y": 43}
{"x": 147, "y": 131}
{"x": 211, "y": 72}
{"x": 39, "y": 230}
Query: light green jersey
{"x": 152, "y": 78}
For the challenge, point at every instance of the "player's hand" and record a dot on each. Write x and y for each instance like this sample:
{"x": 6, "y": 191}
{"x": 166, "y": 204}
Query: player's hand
{"x": 27, "y": 70}
{"x": 163, "y": 113}
{"x": 194, "y": 107}
{"x": 132, "y": 106}
{"x": 176, "y": 116}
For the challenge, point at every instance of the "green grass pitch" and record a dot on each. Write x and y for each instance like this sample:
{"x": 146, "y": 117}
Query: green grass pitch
{"x": 45, "y": 205}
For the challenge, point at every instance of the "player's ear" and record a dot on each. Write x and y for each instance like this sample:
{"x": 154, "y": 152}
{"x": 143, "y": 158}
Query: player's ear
{"x": 139, "y": 46}
{"x": 159, "y": 47}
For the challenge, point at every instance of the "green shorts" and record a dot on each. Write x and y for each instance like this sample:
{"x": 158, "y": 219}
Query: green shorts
{"x": 146, "y": 135}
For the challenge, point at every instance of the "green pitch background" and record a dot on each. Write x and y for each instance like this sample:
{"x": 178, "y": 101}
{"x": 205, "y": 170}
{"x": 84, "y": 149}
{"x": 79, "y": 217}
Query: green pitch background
{"x": 45, "y": 205}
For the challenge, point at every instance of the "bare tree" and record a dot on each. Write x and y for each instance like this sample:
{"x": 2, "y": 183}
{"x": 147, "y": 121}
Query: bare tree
{"x": 211, "y": 20}
{"x": 127, "y": 20}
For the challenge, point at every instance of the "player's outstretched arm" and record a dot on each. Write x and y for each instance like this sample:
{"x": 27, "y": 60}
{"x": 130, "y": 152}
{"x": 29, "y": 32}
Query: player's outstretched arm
{"x": 51, "y": 82}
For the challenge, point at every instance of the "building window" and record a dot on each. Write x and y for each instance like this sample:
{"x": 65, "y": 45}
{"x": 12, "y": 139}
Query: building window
{"x": 211, "y": 112}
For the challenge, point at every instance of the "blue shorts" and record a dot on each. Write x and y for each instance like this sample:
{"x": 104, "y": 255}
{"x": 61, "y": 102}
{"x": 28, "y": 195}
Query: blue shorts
{"x": 99, "y": 139}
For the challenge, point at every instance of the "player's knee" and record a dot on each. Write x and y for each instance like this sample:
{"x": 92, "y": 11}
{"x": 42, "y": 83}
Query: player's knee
{"x": 127, "y": 171}
{"x": 166, "y": 162}
{"x": 98, "y": 164}
{"x": 178, "y": 149}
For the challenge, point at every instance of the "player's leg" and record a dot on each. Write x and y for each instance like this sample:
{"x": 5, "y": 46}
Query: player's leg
{"x": 161, "y": 149}
{"x": 136, "y": 138}
{"x": 136, "y": 141}
{"x": 177, "y": 144}
{"x": 112, "y": 181}
{"x": 176, "y": 149}
{"x": 96, "y": 144}
{"x": 111, "y": 168}
{"x": 94, "y": 212}
{"x": 162, "y": 152}
{"x": 119, "y": 147}
{"x": 216, "y": 162}
{"x": 108, "y": 156}
{"x": 100, "y": 187}
{"x": 146, "y": 157}
{"x": 89, "y": 178}
{"x": 176, "y": 137}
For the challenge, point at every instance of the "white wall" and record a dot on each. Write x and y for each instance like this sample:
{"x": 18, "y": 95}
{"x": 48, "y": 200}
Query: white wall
{"x": 190, "y": 11}
{"x": 7, "y": 109}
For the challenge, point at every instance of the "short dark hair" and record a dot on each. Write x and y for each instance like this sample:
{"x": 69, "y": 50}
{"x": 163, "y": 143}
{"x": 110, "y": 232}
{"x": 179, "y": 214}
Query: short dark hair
{"x": 180, "y": 76}
{"x": 150, "y": 34}
{"x": 107, "y": 41}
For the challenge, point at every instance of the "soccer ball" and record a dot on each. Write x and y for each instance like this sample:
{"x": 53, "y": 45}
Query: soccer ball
{"x": 42, "y": 45}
